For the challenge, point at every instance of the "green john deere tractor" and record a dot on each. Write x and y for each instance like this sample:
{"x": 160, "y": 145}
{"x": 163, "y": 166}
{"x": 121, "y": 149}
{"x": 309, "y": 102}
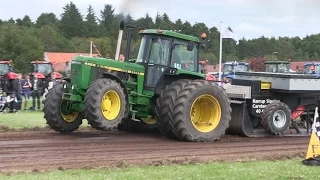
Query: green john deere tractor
{"x": 153, "y": 91}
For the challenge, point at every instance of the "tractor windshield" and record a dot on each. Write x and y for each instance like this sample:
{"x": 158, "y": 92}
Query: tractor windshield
{"x": 241, "y": 68}
{"x": 277, "y": 68}
{"x": 157, "y": 50}
{"x": 228, "y": 68}
{"x": 44, "y": 68}
{"x": 4, "y": 69}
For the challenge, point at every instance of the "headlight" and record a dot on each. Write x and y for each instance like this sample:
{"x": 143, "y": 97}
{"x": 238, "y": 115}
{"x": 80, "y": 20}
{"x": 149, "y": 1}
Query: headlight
{"x": 72, "y": 87}
{"x": 64, "y": 86}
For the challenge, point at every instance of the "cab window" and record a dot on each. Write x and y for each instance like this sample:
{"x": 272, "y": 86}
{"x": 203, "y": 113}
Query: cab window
{"x": 182, "y": 58}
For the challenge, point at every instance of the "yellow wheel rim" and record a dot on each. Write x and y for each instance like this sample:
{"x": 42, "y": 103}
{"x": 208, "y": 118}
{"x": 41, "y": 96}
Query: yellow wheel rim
{"x": 149, "y": 120}
{"x": 110, "y": 105}
{"x": 70, "y": 117}
{"x": 205, "y": 113}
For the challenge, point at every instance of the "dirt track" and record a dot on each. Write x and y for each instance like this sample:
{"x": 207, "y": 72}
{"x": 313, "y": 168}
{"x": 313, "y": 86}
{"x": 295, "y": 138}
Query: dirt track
{"x": 47, "y": 150}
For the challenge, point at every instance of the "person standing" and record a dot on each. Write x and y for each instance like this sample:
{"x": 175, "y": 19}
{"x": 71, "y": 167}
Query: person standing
{"x": 12, "y": 89}
{"x": 19, "y": 92}
{"x": 26, "y": 88}
{"x": 53, "y": 81}
{"x": 36, "y": 87}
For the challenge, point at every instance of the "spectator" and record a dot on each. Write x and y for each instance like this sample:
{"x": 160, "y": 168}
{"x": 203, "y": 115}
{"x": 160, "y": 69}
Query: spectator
{"x": 3, "y": 103}
{"x": 36, "y": 90}
{"x": 51, "y": 84}
{"x": 26, "y": 88}
{"x": 12, "y": 90}
{"x": 53, "y": 81}
{"x": 19, "y": 92}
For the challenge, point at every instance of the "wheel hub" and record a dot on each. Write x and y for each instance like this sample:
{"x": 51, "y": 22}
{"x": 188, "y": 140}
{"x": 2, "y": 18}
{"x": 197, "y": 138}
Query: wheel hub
{"x": 205, "y": 113}
{"x": 110, "y": 105}
{"x": 279, "y": 118}
{"x": 66, "y": 112}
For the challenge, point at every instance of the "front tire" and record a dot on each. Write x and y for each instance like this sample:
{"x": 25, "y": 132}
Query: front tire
{"x": 200, "y": 112}
{"x": 105, "y": 104}
{"x": 56, "y": 112}
{"x": 276, "y": 118}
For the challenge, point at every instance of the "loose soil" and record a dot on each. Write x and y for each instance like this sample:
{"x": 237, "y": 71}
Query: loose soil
{"x": 43, "y": 150}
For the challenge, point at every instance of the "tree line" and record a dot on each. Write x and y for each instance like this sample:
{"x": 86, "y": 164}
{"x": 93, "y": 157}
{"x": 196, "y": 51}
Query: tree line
{"x": 24, "y": 41}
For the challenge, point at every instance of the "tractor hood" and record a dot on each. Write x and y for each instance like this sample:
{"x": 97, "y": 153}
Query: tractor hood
{"x": 109, "y": 64}
{"x": 86, "y": 69}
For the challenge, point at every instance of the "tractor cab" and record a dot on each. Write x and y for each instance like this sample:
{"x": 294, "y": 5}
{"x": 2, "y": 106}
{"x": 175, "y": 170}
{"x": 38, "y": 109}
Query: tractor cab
{"x": 6, "y": 75}
{"x": 312, "y": 68}
{"x": 229, "y": 68}
{"x": 42, "y": 69}
{"x": 163, "y": 51}
{"x": 277, "y": 66}
{"x": 5, "y": 67}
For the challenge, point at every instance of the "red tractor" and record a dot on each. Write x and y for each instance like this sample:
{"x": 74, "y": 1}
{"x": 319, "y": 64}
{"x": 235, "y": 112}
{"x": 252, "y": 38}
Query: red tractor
{"x": 6, "y": 75}
{"x": 43, "y": 71}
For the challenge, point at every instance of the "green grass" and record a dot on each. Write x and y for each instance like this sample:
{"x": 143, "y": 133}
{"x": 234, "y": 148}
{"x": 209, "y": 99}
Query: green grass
{"x": 22, "y": 120}
{"x": 284, "y": 169}
{"x": 26, "y": 119}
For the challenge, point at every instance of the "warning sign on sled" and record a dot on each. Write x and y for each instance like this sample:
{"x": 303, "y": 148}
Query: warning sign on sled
{"x": 259, "y": 104}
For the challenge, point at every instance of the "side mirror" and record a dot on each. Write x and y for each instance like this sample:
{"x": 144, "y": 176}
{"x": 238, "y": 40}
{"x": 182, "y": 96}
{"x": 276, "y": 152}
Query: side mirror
{"x": 190, "y": 46}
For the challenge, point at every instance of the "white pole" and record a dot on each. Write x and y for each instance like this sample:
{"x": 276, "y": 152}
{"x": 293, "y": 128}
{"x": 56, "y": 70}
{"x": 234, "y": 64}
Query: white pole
{"x": 91, "y": 48}
{"x": 119, "y": 45}
{"x": 220, "y": 54}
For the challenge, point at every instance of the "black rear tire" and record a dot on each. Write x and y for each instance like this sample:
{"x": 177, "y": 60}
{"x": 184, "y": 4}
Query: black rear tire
{"x": 183, "y": 116}
{"x": 167, "y": 96}
{"x": 54, "y": 115}
{"x": 276, "y": 126}
{"x": 113, "y": 94}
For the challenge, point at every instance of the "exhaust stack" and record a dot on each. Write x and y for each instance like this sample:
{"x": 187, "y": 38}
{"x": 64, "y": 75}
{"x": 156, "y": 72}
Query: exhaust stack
{"x": 119, "y": 40}
{"x": 129, "y": 37}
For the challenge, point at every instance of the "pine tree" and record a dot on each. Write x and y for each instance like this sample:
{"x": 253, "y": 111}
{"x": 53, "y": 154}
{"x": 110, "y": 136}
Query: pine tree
{"x": 71, "y": 23}
{"x": 46, "y": 19}
{"x": 91, "y": 25}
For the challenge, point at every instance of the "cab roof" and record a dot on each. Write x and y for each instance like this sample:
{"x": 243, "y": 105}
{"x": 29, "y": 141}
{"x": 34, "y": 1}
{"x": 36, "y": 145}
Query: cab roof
{"x": 236, "y": 63}
{"x": 40, "y": 62}
{"x": 5, "y": 61}
{"x": 308, "y": 64}
{"x": 169, "y": 33}
{"x": 277, "y": 62}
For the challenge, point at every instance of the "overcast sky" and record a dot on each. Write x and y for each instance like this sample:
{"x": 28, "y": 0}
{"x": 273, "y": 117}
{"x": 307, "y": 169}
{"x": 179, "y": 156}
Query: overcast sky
{"x": 247, "y": 18}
